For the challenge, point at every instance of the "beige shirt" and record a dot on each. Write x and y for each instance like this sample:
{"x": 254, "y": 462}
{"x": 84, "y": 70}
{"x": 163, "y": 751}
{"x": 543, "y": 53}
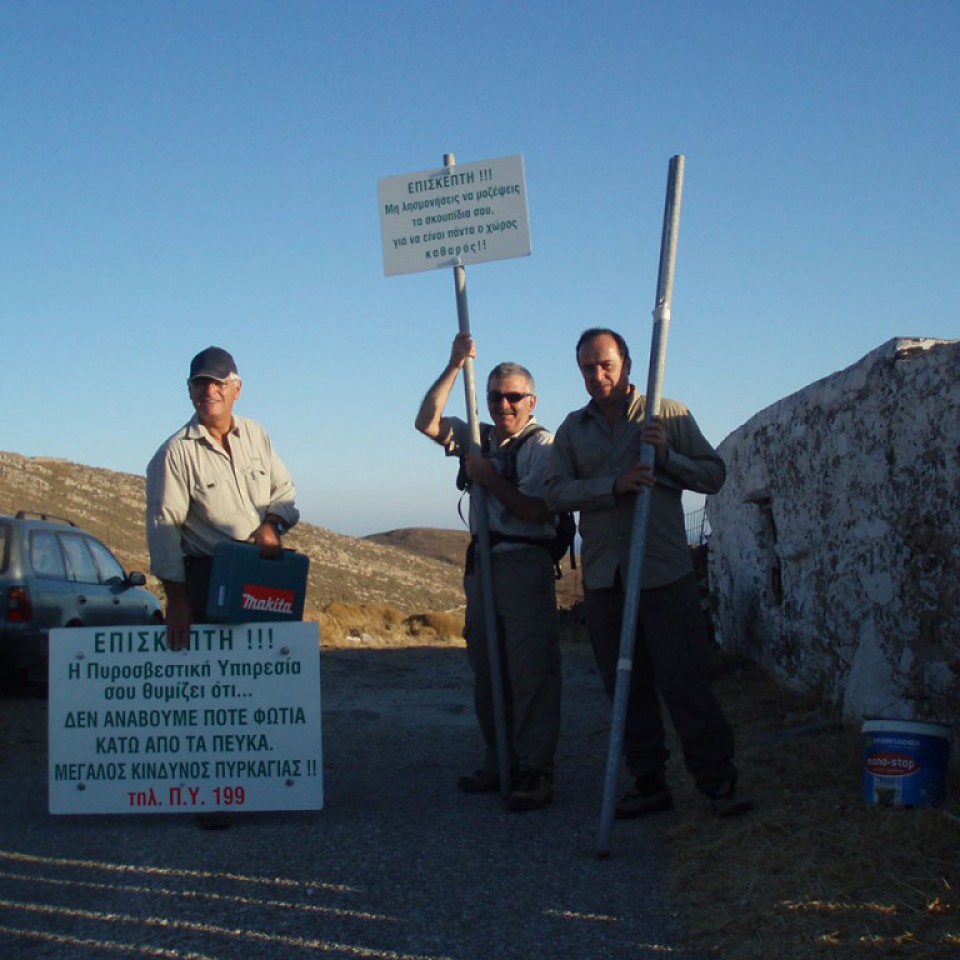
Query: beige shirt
{"x": 198, "y": 495}
{"x": 532, "y": 459}
{"x": 589, "y": 455}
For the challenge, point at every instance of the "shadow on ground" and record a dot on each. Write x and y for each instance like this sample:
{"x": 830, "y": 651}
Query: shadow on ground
{"x": 397, "y": 864}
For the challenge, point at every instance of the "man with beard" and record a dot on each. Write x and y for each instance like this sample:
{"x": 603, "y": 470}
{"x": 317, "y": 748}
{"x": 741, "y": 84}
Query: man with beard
{"x": 596, "y": 468}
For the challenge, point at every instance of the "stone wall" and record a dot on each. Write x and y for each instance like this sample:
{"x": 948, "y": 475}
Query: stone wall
{"x": 834, "y": 552}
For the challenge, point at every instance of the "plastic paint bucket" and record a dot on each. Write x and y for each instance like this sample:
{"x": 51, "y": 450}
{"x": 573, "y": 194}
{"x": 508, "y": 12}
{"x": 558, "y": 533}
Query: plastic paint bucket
{"x": 905, "y": 762}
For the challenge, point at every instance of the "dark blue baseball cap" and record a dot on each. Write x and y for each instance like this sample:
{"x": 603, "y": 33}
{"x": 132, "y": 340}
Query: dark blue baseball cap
{"x": 214, "y": 363}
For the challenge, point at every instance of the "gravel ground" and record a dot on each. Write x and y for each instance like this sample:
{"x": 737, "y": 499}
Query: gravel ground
{"x": 398, "y": 864}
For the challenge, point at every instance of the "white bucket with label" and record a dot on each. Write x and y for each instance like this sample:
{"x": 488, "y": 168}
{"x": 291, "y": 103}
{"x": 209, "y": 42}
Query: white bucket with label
{"x": 905, "y": 762}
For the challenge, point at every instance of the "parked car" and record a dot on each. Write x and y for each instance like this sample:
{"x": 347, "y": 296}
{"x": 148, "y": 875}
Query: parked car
{"x": 53, "y": 574}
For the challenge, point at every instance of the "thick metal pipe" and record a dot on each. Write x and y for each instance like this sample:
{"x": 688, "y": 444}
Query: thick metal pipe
{"x": 478, "y": 497}
{"x": 638, "y": 538}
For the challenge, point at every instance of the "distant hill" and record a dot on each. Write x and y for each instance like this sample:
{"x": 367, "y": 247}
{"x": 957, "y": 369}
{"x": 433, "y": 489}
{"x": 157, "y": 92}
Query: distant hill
{"x": 447, "y": 546}
{"x": 450, "y": 546}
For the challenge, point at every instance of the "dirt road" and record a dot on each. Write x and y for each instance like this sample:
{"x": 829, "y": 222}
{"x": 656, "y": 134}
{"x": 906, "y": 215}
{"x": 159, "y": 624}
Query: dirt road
{"x": 398, "y": 864}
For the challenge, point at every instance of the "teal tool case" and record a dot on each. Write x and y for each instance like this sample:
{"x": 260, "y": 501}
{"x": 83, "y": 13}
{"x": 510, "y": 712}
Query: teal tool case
{"x": 246, "y": 587}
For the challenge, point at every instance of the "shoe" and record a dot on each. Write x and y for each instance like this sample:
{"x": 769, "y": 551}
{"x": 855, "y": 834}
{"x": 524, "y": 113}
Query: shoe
{"x": 724, "y": 805}
{"x": 218, "y": 820}
{"x": 649, "y": 794}
{"x": 479, "y": 782}
{"x": 533, "y": 792}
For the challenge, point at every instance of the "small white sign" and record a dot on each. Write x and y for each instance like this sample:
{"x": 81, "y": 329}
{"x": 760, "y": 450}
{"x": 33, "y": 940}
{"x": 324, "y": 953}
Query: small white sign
{"x": 231, "y": 724}
{"x": 467, "y": 213}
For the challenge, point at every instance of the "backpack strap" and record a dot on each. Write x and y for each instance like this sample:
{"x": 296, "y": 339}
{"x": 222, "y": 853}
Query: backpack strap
{"x": 463, "y": 481}
{"x": 508, "y": 456}
{"x": 566, "y": 525}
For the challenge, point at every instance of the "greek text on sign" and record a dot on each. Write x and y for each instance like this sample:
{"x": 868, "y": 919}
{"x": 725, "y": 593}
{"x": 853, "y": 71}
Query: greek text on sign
{"x": 463, "y": 214}
{"x": 232, "y": 723}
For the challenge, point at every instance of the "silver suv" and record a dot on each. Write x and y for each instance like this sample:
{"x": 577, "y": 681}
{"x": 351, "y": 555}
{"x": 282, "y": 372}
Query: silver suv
{"x": 53, "y": 574}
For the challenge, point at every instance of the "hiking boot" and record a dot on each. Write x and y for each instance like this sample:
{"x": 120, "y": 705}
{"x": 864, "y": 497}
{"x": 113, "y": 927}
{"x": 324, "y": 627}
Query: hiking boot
{"x": 723, "y": 803}
{"x": 479, "y": 782}
{"x": 533, "y": 792}
{"x": 649, "y": 794}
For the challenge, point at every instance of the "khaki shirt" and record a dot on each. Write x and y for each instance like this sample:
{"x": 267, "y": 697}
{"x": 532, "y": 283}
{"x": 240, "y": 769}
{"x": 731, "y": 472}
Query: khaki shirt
{"x": 532, "y": 459}
{"x": 198, "y": 495}
{"x": 588, "y": 456}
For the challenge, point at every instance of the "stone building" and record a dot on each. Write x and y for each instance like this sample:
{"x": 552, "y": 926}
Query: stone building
{"x": 835, "y": 547}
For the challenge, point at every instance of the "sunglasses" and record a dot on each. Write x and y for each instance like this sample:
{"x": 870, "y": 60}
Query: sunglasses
{"x": 495, "y": 396}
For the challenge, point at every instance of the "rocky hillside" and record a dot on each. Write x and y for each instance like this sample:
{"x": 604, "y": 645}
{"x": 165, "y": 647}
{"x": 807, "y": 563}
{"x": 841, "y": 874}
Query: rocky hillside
{"x": 344, "y": 569}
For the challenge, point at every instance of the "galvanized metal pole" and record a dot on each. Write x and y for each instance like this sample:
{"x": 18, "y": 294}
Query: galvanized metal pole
{"x": 478, "y": 497}
{"x": 638, "y": 540}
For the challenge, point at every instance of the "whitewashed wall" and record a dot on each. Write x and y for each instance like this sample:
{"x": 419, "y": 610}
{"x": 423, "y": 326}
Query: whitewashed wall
{"x": 834, "y": 554}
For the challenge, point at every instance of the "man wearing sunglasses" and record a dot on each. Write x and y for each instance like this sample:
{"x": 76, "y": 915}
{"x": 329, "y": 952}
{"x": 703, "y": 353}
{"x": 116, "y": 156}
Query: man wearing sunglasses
{"x": 515, "y": 452}
{"x": 217, "y": 478}
{"x": 596, "y": 468}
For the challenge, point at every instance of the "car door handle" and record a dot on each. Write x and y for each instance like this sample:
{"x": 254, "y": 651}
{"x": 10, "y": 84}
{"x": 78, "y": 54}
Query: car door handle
{"x": 81, "y": 599}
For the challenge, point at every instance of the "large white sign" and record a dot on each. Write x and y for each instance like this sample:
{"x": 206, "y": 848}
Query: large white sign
{"x": 467, "y": 213}
{"x": 232, "y": 723}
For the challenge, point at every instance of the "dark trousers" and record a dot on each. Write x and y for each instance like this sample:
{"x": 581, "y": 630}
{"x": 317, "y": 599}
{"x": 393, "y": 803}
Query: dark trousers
{"x": 197, "y": 571}
{"x": 670, "y": 660}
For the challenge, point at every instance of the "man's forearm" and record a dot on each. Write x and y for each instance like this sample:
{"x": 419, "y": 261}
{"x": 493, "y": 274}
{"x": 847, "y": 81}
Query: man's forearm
{"x": 524, "y": 507}
{"x": 175, "y": 590}
{"x": 563, "y": 490}
{"x": 431, "y": 409}
{"x": 178, "y": 614}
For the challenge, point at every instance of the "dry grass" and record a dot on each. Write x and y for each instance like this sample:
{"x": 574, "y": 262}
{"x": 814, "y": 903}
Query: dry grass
{"x": 379, "y": 625}
{"x": 814, "y": 872}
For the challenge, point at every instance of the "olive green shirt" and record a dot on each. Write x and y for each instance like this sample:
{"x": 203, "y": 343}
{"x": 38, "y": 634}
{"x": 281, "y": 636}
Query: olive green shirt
{"x": 589, "y": 455}
{"x": 199, "y": 495}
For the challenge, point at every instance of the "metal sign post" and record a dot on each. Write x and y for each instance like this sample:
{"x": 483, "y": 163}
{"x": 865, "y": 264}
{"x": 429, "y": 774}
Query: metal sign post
{"x": 478, "y": 496}
{"x": 434, "y": 219}
{"x": 638, "y": 540}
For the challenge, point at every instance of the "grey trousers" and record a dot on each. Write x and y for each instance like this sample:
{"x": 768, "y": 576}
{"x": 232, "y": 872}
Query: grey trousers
{"x": 671, "y": 659}
{"x": 529, "y": 646}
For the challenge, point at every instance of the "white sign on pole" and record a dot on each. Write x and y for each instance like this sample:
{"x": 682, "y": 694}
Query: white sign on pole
{"x": 232, "y": 723}
{"x": 452, "y": 216}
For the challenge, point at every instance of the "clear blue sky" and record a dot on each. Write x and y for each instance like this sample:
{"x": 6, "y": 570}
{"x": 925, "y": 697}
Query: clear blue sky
{"x": 178, "y": 174}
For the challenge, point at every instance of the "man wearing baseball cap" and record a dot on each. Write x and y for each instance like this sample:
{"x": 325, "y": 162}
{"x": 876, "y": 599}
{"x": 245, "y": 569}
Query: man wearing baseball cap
{"x": 217, "y": 478}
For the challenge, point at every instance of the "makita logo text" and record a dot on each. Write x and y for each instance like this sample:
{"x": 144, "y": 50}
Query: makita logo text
{"x": 266, "y": 599}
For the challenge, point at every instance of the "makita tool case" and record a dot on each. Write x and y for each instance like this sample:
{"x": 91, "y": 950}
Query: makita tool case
{"x": 246, "y": 587}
